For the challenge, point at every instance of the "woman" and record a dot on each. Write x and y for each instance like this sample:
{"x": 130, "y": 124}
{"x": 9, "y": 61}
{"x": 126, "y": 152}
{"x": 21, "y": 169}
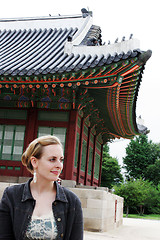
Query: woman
{"x": 41, "y": 208}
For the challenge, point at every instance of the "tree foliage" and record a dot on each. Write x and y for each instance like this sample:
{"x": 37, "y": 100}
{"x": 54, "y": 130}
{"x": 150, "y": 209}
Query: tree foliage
{"x": 153, "y": 172}
{"x": 139, "y": 196}
{"x": 111, "y": 170}
{"x": 140, "y": 154}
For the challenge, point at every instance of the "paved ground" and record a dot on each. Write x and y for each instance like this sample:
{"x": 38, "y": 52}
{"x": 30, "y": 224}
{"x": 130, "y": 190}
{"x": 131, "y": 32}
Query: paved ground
{"x": 132, "y": 229}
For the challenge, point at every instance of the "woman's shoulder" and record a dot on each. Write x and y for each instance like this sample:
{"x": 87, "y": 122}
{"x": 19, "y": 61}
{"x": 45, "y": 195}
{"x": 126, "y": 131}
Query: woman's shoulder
{"x": 13, "y": 190}
{"x": 70, "y": 195}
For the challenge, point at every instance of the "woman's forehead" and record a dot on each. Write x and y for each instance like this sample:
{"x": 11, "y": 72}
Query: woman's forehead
{"x": 53, "y": 149}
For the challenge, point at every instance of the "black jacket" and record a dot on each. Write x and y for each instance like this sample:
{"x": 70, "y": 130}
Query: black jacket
{"x": 17, "y": 205}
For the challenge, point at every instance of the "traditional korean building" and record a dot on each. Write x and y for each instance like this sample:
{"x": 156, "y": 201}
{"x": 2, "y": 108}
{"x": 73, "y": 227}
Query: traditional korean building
{"x": 58, "y": 77}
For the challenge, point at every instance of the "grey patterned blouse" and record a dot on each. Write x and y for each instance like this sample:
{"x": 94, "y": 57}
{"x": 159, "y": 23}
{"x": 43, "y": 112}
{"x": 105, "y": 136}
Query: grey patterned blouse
{"x": 43, "y": 227}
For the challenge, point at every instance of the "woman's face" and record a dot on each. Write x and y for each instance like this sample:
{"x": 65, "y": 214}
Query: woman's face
{"x": 50, "y": 165}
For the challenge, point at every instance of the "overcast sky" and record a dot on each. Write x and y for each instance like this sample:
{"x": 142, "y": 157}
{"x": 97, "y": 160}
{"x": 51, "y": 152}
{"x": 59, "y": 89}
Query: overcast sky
{"x": 117, "y": 18}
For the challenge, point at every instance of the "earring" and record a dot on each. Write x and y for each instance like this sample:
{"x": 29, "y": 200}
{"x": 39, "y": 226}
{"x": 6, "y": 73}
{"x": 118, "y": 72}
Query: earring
{"x": 34, "y": 176}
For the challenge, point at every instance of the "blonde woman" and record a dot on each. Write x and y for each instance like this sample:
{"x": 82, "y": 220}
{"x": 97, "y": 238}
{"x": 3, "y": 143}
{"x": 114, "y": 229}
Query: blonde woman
{"x": 41, "y": 208}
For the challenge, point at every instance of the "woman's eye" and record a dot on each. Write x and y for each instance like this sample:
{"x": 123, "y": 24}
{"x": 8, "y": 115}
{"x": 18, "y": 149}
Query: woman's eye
{"x": 52, "y": 159}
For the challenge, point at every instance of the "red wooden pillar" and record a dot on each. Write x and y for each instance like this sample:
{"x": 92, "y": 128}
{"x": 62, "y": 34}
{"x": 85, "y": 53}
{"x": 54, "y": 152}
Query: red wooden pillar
{"x": 87, "y": 156}
{"x": 100, "y": 169}
{"x": 115, "y": 217}
{"x": 93, "y": 161}
{"x": 80, "y": 151}
{"x": 70, "y": 145}
{"x": 31, "y": 131}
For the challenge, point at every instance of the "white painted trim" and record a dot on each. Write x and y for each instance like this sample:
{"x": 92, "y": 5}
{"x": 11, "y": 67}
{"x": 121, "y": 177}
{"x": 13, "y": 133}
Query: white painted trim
{"x": 80, "y": 35}
{"x": 118, "y": 48}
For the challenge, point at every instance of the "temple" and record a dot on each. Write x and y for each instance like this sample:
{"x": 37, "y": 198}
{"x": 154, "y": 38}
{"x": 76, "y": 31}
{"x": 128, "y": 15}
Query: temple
{"x": 58, "y": 77}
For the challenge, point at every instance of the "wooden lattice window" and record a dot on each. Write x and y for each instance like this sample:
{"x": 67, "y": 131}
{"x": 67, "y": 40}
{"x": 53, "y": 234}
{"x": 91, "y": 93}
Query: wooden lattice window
{"x": 13, "y": 114}
{"x": 53, "y": 116}
{"x": 97, "y": 166}
{"x": 90, "y": 160}
{"x": 11, "y": 142}
{"x": 59, "y": 132}
{"x": 84, "y": 152}
{"x": 77, "y": 150}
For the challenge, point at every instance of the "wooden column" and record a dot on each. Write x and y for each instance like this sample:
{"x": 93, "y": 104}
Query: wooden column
{"x": 80, "y": 151}
{"x": 100, "y": 168}
{"x": 87, "y": 156}
{"x": 70, "y": 145}
{"x": 93, "y": 161}
{"x": 31, "y": 131}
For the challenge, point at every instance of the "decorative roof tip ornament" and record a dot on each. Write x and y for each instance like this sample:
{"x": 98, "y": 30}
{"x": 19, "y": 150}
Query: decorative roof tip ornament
{"x": 116, "y": 41}
{"x": 85, "y": 12}
{"x": 92, "y": 42}
{"x": 141, "y": 127}
{"x": 69, "y": 38}
{"x": 131, "y": 36}
{"x": 143, "y": 58}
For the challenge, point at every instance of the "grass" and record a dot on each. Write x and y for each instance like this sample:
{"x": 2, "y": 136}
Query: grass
{"x": 150, "y": 216}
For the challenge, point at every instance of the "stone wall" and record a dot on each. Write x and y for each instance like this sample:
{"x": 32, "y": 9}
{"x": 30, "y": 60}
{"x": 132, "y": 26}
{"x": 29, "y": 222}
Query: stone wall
{"x": 102, "y": 210}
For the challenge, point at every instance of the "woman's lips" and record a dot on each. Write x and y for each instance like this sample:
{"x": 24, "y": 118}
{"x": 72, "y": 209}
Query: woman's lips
{"x": 55, "y": 172}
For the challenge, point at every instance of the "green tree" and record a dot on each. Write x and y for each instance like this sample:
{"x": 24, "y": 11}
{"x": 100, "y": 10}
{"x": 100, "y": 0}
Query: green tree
{"x": 139, "y": 196}
{"x": 153, "y": 172}
{"x": 152, "y": 203}
{"x": 111, "y": 170}
{"x": 140, "y": 153}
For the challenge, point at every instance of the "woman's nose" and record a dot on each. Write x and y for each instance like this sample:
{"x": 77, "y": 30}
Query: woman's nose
{"x": 59, "y": 164}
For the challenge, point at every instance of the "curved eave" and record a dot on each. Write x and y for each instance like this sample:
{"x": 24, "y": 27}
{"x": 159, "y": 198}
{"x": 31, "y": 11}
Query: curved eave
{"x": 117, "y": 103}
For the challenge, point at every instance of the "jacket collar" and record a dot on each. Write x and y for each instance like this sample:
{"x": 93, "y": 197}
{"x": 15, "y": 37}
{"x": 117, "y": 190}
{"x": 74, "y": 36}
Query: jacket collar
{"x": 60, "y": 195}
{"x": 27, "y": 191}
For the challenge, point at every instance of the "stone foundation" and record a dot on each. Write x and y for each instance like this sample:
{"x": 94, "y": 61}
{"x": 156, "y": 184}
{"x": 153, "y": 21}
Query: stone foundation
{"x": 102, "y": 210}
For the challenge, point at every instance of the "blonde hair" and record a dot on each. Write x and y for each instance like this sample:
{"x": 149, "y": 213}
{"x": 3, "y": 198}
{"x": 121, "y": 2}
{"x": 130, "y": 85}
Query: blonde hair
{"x": 35, "y": 149}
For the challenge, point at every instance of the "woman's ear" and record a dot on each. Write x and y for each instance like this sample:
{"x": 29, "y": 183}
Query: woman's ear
{"x": 34, "y": 162}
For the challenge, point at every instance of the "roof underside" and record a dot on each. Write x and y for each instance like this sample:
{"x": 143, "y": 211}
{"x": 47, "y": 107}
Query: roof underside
{"x": 70, "y": 68}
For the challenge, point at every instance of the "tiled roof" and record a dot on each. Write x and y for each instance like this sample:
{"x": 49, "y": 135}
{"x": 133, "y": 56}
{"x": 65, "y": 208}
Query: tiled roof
{"x": 42, "y": 50}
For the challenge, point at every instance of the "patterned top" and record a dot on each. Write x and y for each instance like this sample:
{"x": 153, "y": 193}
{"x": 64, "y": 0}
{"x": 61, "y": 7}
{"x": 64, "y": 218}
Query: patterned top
{"x": 43, "y": 227}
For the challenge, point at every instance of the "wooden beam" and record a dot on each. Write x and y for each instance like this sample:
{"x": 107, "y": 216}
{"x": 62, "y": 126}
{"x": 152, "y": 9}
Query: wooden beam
{"x": 70, "y": 145}
{"x": 87, "y": 156}
{"x": 80, "y": 151}
{"x": 100, "y": 168}
{"x": 93, "y": 160}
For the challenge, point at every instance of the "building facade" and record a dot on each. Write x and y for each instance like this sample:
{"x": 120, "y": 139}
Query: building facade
{"x": 58, "y": 77}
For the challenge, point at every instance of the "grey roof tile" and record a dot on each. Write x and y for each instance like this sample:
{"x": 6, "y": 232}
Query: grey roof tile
{"x": 41, "y": 51}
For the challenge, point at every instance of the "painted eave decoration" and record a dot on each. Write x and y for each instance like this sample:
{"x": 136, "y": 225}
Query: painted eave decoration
{"x": 61, "y": 63}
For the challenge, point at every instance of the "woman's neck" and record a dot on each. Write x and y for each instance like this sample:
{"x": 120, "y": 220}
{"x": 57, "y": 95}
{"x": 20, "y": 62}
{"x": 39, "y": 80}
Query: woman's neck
{"x": 42, "y": 186}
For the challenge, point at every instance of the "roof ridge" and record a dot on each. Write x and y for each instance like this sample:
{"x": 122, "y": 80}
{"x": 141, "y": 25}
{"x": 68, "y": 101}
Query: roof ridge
{"x": 40, "y": 18}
